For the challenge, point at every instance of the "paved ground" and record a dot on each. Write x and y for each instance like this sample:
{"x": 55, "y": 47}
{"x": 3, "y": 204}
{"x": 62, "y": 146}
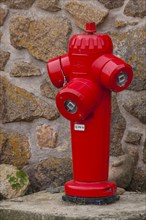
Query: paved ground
{"x": 47, "y": 206}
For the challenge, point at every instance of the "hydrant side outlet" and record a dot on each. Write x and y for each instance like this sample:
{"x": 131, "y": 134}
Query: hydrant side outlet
{"x": 88, "y": 73}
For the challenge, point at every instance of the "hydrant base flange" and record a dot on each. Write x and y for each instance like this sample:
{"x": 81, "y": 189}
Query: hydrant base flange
{"x": 90, "y": 189}
{"x": 94, "y": 201}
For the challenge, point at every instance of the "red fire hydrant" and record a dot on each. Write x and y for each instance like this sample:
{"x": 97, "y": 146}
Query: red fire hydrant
{"x": 88, "y": 74}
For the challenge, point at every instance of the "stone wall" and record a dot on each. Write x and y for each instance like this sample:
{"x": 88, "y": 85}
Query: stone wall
{"x": 33, "y": 135}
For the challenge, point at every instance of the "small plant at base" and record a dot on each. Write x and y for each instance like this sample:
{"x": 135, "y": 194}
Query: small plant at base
{"x": 19, "y": 180}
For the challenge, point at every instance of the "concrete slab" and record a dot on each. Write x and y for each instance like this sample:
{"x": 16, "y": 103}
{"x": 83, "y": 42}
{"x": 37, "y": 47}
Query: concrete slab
{"x": 47, "y": 206}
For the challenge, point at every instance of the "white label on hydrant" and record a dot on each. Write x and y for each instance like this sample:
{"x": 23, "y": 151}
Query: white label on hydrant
{"x": 79, "y": 127}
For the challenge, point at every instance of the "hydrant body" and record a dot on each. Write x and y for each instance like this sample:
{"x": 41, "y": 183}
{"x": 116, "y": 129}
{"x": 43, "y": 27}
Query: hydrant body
{"x": 88, "y": 74}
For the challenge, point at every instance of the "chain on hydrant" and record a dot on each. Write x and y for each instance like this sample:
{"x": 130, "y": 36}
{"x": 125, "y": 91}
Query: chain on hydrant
{"x": 88, "y": 73}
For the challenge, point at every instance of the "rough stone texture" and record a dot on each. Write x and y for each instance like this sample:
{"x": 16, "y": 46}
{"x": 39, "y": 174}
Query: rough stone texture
{"x": 132, "y": 51}
{"x": 51, "y": 5}
{"x": 1, "y": 34}
{"x": 48, "y": 90}
{"x": 51, "y": 172}
{"x": 112, "y": 3}
{"x": 14, "y": 149}
{"x": 138, "y": 181}
{"x": 133, "y": 151}
{"x": 135, "y": 8}
{"x": 46, "y": 136}
{"x": 20, "y": 105}
{"x": 120, "y": 191}
{"x": 144, "y": 152}
{"x": 3, "y": 14}
{"x": 83, "y": 13}
{"x": 8, "y": 188}
{"x": 2, "y": 140}
{"x": 57, "y": 189}
{"x": 118, "y": 125}
{"x": 44, "y": 39}
{"x": 1, "y": 101}
{"x": 133, "y": 138}
{"x": 21, "y": 4}
{"x": 19, "y": 28}
{"x": 4, "y": 56}
{"x": 121, "y": 170}
{"x": 135, "y": 104}
{"x": 47, "y": 206}
{"x": 22, "y": 68}
{"x": 122, "y": 23}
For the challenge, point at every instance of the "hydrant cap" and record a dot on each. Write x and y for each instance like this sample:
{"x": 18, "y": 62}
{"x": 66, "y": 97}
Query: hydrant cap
{"x": 90, "y": 27}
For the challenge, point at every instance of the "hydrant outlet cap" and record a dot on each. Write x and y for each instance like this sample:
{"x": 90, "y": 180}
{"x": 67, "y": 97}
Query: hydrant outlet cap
{"x": 90, "y": 27}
